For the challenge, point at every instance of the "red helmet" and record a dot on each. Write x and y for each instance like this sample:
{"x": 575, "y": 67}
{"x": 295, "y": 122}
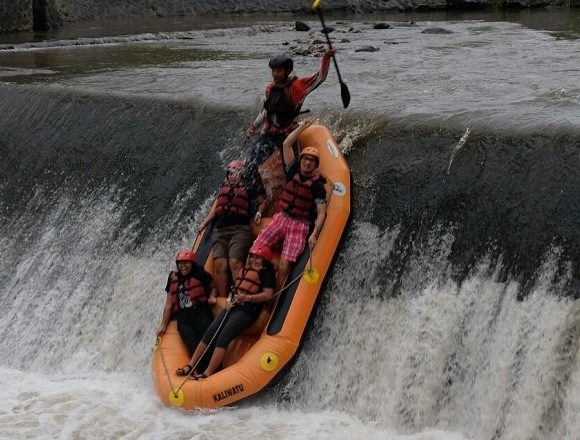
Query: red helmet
{"x": 261, "y": 251}
{"x": 186, "y": 255}
{"x": 311, "y": 151}
{"x": 236, "y": 166}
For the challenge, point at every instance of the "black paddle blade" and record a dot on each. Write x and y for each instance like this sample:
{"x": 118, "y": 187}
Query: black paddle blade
{"x": 344, "y": 94}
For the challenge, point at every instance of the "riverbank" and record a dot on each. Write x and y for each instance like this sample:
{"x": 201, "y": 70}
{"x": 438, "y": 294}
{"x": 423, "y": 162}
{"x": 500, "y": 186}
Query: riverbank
{"x": 26, "y": 15}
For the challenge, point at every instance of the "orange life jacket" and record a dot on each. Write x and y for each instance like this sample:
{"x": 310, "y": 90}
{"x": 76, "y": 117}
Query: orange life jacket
{"x": 193, "y": 288}
{"x": 296, "y": 199}
{"x": 232, "y": 200}
{"x": 248, "y": 282}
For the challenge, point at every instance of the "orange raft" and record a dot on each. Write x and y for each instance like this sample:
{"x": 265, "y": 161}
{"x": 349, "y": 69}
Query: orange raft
{"x": 262, "y": 353}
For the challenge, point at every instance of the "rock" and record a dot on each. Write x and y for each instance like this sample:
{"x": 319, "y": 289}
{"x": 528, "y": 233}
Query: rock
{"x": 436, "y": 31}
{"x": 314, "y": 50}
{"x": 302, "y": 27}
{"x": 318, "y": 42}
{"x": 344, "y": 40}
{"x": 327, "y": 29}
{"x": 367, "y": 49}
{"x": 382, "y": 26}
{"x": 354, "y": 9}
{"x": 406, "y": 23}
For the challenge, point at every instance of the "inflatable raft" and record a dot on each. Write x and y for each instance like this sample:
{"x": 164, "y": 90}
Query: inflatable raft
{"x": 266, "y": 350}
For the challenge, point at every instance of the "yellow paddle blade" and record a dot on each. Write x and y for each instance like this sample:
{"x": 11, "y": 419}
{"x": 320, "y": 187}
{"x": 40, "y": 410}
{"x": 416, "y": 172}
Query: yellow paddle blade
{"x": 316, "y": 4}
{"x": 176, "y": 397}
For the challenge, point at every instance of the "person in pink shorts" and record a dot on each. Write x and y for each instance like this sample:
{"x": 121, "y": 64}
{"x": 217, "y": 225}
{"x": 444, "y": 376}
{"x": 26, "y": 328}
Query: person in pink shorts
{"x": 302, "y": 204}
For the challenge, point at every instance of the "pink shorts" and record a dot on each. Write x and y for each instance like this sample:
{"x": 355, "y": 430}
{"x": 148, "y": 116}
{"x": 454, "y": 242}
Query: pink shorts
{"x": 293, "y": 231}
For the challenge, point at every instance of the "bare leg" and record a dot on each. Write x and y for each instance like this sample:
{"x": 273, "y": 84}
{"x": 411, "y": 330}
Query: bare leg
{"x": 220, "y": 266}
{"x": 284, "y": 268}
{"x": 215, "y": 362}
{"x": 235, "y": 266}
{"x": 197, "y": 353}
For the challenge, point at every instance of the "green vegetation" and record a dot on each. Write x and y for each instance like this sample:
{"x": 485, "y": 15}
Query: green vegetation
{"x": 152, "y": 4}
{"x": 496, "y": 5}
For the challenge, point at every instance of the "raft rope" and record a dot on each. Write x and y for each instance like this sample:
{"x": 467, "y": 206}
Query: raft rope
{"x": 202, "y": 355}
{"x": 286, "y": 286}
{"x": 165, "y": 368}
{"x": 220, "y": 327}
{"x": 176, "y": 390}
{"x": 309, "y": 261}
{"x": 232, "y": 290}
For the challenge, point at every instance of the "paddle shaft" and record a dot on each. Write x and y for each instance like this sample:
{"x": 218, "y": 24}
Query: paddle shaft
{"x": 344, "y": 92}
{"x": 319, "y": 11}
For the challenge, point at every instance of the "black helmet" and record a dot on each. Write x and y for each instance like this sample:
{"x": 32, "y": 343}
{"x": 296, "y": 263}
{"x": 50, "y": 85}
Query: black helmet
{"x": 282, "y": 60}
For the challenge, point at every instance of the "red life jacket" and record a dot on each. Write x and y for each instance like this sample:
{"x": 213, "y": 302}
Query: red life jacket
{"x": 281, "y": 110}
{"x": 296, "y": 199}
{"x": 193, "y": 288}
{"x": 248, "y": 282}
{"x": 232, "y": 200}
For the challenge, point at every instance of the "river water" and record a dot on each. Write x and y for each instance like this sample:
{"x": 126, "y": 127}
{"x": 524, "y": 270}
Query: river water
{"x": 452, "y": 311}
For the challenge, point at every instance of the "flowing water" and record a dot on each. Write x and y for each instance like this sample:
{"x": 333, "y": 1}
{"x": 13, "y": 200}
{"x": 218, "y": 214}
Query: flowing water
{"x": 452, "y": 311}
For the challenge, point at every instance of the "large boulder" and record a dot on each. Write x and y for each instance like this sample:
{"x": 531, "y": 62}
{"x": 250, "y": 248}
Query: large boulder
{"x": 302, "y": 27}
{"x": 436, "y": 30}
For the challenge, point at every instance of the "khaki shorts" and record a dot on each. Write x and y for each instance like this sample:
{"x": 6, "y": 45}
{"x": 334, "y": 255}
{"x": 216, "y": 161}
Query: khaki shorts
{"x": 233, "y": 242}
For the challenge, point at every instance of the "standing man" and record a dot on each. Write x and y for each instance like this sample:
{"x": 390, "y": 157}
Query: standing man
{"x": 283, "y": 100}
{"x": 302, "y": 204}
{"x": 233, "y": 235}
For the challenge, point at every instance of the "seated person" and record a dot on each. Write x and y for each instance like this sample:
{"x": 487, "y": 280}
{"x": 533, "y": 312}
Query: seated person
{"x": 233, "y": 235}
{"x": 253, "y": 287}
{"x": 187, "y": 297}
{"x": 303, "y": 199}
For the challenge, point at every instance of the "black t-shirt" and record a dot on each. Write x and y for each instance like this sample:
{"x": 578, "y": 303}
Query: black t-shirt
{"x": 267, "y": 277}
{"x": 317, "y": 188}
{"x": 196, "y": 272}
